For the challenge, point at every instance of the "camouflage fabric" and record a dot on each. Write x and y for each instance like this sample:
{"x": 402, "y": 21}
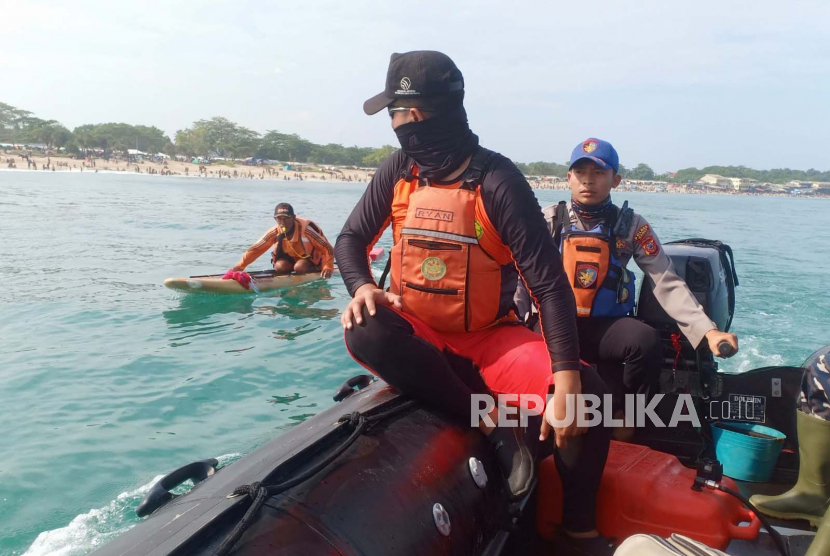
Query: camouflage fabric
{"x": 815, "y": 385}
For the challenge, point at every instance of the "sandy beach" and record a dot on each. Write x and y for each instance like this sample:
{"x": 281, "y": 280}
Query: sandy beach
{"x": 12, "y": 160}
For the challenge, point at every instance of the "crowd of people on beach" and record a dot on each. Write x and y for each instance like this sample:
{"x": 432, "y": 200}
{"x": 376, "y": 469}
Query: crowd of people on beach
{"x": 114, "y": 162}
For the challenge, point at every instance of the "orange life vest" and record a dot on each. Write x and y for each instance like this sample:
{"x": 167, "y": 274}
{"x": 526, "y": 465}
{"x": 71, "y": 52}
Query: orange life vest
{"x": 447, "y": 257}
{"x": 296, "y": 246}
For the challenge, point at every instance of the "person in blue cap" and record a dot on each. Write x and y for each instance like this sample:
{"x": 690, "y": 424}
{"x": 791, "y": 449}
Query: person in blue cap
{"x": 597, "y": 239}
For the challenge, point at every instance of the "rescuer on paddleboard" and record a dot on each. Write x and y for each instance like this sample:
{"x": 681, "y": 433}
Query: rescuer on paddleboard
{"x": 299, "y": 246}
{"x": 465, "y": 224}
{"x": 596, "y": 240}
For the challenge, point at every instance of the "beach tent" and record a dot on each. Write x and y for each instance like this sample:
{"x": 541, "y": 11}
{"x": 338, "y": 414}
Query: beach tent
{"x": 255, "y": 161}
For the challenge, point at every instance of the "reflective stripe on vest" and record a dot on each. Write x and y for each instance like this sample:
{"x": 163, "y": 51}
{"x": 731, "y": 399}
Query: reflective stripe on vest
{"x": 440, "y": 235}
{"x": 602, "y": 286}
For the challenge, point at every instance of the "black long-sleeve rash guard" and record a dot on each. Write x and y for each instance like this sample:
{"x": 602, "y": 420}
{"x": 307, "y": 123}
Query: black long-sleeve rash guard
{"x": 512, "y": 208}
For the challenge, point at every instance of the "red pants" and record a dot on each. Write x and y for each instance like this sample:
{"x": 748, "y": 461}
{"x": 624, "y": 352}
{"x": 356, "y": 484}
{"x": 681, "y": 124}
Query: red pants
{"x": 510, "y": 358}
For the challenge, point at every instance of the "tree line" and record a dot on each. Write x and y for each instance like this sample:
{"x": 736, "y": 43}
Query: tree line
{"x": 644, "y": 172}
{"x": 552, "y": 169}
{"x": 220, "y": 137}
{"x": 214, "y": 138}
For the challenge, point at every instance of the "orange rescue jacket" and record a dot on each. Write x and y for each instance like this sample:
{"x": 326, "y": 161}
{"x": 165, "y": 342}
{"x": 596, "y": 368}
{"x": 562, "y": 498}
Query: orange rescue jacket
{"x": 307, "y": 242}
{"x": 447, "y": 256}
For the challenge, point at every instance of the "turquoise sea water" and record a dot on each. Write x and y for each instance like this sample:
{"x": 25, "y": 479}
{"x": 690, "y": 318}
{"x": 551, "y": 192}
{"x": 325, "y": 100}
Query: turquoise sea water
{"x": 108, "y": 380}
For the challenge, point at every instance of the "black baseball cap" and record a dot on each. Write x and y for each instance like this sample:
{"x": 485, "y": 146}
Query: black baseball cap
{"x": 283, "y": 209}
{"x": 418, "y": 78}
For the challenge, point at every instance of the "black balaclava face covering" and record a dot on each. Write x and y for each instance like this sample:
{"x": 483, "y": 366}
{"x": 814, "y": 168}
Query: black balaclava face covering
{"x": 439, "y": 144}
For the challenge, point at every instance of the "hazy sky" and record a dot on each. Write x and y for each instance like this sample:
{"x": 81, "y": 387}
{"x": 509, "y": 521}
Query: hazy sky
{"x": 670, "y": 83}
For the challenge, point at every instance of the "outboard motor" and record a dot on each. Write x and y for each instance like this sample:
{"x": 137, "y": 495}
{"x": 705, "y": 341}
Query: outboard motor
{"x": 708, "y": 267}
{"x": 765, "y": 396}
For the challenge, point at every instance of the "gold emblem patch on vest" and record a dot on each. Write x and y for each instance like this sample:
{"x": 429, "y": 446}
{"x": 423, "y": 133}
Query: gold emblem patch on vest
{"x": 479, "y": 230}
{"x": 586, "y": 275}
{"x": 433, "y": 268}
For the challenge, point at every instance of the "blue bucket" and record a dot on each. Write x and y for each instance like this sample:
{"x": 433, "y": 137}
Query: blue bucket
{"x": 745, "y": 457}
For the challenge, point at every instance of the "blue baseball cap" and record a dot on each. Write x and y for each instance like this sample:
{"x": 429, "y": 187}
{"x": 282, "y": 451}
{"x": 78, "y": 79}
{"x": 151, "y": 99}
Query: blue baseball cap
{"x": 599, "y": 151}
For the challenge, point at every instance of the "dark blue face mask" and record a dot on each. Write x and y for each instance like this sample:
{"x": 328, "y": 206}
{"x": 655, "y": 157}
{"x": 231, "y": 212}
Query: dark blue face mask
{"x": 439, "y": 144}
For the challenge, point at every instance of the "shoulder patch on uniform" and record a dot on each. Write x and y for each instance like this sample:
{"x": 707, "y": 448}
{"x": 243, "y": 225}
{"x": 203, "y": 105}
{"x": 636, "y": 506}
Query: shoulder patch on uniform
{"x": 641, "y": 232}
{"x": 650, "y": 246}
{"x": 479, "y": 229}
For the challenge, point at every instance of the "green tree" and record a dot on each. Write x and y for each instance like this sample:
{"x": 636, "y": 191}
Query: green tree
{"x": 355, "y": 155}
{"x": 334, "y": 153}
{"x": 282, "y": 146}
{"x": 29, "y": 129}
{"x": 217, "y": 137}
{"x": 192, "y": 142}
{"x": 327, "y": 154}
{"x": 686, "y": 175}
{"x": 54, "y": 134}
{"x": 10, "y": 120}
{"x": 377, "y": 156}
{"x": 72, "y": 147}
{"x": 120, "y": 136}
{"x": 169, "y": 149}
{"x": 640, "y": 172}
{"x": 543, "y": 169}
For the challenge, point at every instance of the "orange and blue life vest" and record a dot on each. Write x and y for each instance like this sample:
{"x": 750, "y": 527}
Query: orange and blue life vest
{"x": 602, "y": 285}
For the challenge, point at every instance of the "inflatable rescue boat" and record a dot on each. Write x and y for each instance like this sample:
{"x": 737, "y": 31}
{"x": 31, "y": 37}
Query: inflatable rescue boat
{"x": 379, "y": 474}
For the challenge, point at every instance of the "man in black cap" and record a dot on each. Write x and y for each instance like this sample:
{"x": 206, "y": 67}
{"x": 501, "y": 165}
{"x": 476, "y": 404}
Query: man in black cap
{"x": 464, "y": 222}
{"x": 299, "y": 246}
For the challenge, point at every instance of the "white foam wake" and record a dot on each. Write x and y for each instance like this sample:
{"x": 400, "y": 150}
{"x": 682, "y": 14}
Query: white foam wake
{"x": 95, "y": 528}
{"x": 91, "y": 530}
{"x": 751, "y": 355}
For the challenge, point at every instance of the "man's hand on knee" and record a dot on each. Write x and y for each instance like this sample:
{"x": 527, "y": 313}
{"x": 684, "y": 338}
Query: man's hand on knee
{"x": 567, "y": 389}
{"x": 370, "y": 296}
